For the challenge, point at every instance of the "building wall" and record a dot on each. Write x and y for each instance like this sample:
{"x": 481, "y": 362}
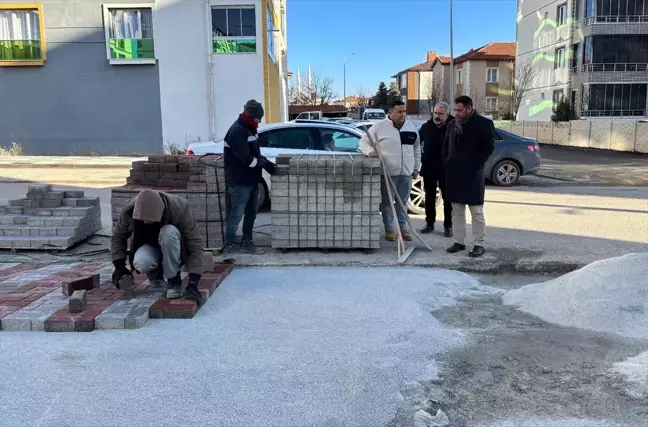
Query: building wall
{"x": 538, "y": 37}
{"x": 238, "y": 77}
{"x": 77, "y": 103}
{"x": 182, "y": 31}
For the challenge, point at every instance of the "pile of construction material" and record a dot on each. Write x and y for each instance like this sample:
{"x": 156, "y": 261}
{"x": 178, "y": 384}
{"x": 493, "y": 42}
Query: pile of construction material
{"x": 327, "y": 202}
{"x": 200, "y": 180}
{"x": 47, "y": 219}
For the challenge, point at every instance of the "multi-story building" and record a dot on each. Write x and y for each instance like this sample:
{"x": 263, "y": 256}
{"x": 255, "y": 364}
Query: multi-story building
{"x": 485, "y": 74}
{"x": 92, "y": 76}
{"x": 594, "y": 53}
{"x": 415, "y": 84}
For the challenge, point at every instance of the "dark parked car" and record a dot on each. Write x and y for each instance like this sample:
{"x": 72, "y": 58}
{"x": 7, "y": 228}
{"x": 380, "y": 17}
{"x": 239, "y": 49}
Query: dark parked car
{"x": 513, "y": 157}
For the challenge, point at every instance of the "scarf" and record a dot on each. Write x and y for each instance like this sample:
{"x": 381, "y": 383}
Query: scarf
{"x": 250, "y": 122}
{"x": 459, "y": 123}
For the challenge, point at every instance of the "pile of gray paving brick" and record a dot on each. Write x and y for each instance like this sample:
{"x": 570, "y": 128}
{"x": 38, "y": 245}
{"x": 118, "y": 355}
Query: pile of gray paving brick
{"x": 326, "y": 202}
{"x": 48, "y": 219}
{"x": 200, "y": 180}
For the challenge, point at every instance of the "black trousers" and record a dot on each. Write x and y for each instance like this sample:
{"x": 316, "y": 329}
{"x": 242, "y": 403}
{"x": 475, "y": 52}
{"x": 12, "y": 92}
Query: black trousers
{"x": 430, "y": 184}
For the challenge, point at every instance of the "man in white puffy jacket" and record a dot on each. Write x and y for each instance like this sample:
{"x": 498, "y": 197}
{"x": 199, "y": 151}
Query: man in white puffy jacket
{"x": 400, "y": 148}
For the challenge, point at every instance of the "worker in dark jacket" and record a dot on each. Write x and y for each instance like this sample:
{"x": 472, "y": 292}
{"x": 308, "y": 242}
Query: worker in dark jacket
{"x": 165, "y": 237}
{"x": 244, "y": 167}
{"x": 470, "y": 140}
{"x": 432, "y": 135}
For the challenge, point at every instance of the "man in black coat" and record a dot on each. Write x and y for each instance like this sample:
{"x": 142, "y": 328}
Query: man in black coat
{"x": 244, "y": 166}
{"x": 470, "y": 140}
{"x": 432, "y": 135}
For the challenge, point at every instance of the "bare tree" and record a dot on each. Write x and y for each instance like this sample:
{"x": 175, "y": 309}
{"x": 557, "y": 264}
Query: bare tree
{"x": 363, "y": 97}
{"x": 479, "y": 100}
{"x": 436, "y": 92}
{"x": 318, "y": 92}
{"x": 520, "y": 84}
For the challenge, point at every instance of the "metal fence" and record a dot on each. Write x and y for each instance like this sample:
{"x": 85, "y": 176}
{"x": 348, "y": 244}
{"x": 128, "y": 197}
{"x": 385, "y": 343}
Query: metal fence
{"x": 617, "y": 135}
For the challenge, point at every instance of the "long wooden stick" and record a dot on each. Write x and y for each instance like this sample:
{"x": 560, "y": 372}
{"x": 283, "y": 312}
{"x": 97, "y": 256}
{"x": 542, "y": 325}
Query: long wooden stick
{"x": 399, "y": 236}
{"x": 403, "y": 207}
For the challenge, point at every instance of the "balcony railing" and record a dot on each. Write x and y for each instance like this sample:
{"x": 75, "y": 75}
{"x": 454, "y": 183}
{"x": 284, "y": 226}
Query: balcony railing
{"x": 625, "y": 19}
{"x": 131, "y": 49}
{"x": 20, "y": 50}
{"x": 592, "y": 68}
{"x": 614, "y": 113}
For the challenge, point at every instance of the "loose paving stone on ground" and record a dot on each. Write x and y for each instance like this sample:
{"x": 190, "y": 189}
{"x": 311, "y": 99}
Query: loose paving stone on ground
{"x": 37, "y": 297}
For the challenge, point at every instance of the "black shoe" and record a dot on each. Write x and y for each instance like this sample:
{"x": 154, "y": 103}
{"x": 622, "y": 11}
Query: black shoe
{"x": 476, "y": 252}
{"x": 456, "y": 248}
{"x": 448, "y": 232}
{"x": 194, "y": 294}
{"x": 228, "y": 253}
{"x": 247, "y": 247}
{"x": 427, "y": 229}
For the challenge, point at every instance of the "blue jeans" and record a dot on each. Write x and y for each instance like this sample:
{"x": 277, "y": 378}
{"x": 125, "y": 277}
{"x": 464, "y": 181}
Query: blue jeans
{"x": 241, "y": 203}
{"x": 403, "y": 185}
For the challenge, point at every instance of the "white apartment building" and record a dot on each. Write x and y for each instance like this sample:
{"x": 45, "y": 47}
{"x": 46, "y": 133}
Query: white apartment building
{"x": 592, "y": 52}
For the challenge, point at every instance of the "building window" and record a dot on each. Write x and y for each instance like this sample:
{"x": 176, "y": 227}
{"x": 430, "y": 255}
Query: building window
{"x": 561, "y": 16}
{"x": 271, "y": 38}
{"x": 614, "y": 99}
{"x": 129, "y": 35}
{"x": 491, "y": 104}
{"x": 234, "y": 29}
{"x": 459, "y": 76}
{"x": 492, "y": 75}
{"x": 575, "y": 55}
{"x": 22, "y": 39}
{"x": 558, "y": 96}
{"x": 559, "y": 58}
{"x": 403, "y": 81}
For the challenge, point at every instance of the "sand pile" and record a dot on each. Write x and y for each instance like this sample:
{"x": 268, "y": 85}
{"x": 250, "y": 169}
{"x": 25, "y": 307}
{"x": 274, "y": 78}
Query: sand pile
{"x": 610, "y": 295}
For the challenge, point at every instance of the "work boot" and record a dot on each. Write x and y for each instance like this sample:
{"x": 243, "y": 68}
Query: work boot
{"x": 194, "y": 293}
{"x": 429, "y": 228}
{"x": 390, "y": 236}
{"x": 247, "y": 247}
{"x": 447, "y": 232}
{"x": 476, "y": 252}
{"x": 456, "y": 248}
{"x": 156, "y": 279}
{"x": 174, "y": 287}
{"x": 228, "y": 253}
{"x": 407, "y": 236}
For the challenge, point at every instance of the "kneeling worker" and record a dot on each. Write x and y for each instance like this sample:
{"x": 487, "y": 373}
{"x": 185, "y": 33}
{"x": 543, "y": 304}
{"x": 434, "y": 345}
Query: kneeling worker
{"x": 165, "y": 237}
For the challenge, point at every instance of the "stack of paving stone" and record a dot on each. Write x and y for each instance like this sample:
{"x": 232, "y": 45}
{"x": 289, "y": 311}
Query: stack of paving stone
{"x": 327, "y": 202}
{"x": 48, "y": 219}
{"x": 199, "y": 180}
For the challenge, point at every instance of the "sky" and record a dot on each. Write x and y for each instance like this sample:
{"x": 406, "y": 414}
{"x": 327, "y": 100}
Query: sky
{"x": 387, "y": 36}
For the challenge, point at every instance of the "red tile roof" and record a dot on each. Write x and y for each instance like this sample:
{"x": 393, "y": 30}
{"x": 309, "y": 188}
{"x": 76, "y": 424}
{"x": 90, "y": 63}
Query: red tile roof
{"x": 445, "y": 60}
{"x": 495, "y": 51}
{"x": 423, "y": 66}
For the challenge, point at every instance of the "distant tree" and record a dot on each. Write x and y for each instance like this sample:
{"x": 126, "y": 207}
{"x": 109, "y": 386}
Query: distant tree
{"x": 564, "y": 112}
{"x": 319, "y": 92}
{"x": 381, "y": 97}
{"x": 520, "y": 84}
{"x": 363, "y": 98}
{"x": 393, "y": 94}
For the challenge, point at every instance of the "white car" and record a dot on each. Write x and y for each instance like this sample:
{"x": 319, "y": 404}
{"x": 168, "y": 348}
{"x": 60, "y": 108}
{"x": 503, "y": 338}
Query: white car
{"x": 373, "y": 114}
{"x": 303, "y": 137}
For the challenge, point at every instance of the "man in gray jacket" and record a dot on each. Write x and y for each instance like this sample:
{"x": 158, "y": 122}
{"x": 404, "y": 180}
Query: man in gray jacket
{"x": 400, "y": 148}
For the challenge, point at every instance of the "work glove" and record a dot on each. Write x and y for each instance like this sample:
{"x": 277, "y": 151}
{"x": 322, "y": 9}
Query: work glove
{"x": 270, "y": 167}
{"x": 120, "y": 271}
{"x": 192, "y": 289}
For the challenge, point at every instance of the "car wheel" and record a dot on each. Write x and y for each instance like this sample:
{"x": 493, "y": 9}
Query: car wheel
{"x": 416, "y": 205}
{"x": 263, "y": 197}
{"x": 506, "y": 173}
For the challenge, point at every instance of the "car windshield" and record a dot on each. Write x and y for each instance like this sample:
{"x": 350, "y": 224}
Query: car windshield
{"x": 374, "y": 116}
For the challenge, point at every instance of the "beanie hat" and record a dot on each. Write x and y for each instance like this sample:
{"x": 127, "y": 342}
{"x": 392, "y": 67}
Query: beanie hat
{"x": 149, "y": 206}
{"x": 253, "y": 109}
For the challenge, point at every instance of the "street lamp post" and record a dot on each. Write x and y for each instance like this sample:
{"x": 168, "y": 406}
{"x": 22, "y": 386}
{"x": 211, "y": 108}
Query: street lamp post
{"x": 452, "y": 75}
{"x": 344, "y": 90}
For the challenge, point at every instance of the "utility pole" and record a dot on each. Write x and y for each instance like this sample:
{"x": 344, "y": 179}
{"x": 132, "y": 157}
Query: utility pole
{"x": 452, "y": 73}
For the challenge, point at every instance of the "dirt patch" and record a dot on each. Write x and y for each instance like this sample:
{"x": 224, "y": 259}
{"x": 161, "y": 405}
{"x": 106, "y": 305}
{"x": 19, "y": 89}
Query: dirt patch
{"x": 519, "y": 365}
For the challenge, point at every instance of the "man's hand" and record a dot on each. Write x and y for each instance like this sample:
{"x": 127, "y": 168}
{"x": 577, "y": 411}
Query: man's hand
{"x": 270, "y": 167}
{"x": 120, "y": 272}
{"x": 415, "y": 174}
{"x": 372, "y": 154}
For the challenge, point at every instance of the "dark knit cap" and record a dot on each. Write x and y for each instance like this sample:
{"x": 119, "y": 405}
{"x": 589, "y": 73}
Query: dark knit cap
{"x": 253, "y": 109}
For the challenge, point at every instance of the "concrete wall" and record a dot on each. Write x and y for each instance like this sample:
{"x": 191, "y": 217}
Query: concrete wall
{"x": 77, "y": 102}
{"x": 182, "y": 31}
{"x": 237, "y": 77}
